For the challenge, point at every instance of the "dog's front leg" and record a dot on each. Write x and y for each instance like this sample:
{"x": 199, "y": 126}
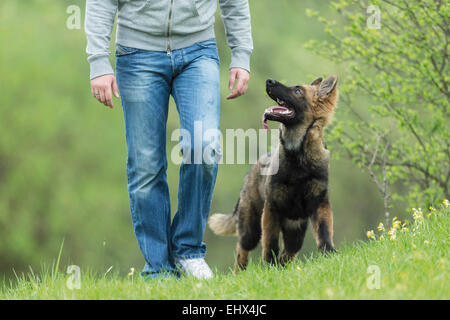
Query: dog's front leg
{"x": 293, "y": 236}
{"x": 322, "y": 225}
{"x": 270, "y": 234}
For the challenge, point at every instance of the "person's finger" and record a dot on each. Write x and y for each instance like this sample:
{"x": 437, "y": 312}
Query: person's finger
{"x": 108, "y": 97}
{"x": 115, "y": 88}
{"x": 102, "y": 96}
{"x": 244, "y": 88}
{"x": 233, "y": 95}
{"x": 96, "y": 93}
{"x": 238, "y": 91}
{"x": 232, "y": 80}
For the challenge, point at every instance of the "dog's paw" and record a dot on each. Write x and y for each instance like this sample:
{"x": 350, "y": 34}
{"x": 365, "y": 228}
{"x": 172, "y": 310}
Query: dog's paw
{"x": 327, "y": 249}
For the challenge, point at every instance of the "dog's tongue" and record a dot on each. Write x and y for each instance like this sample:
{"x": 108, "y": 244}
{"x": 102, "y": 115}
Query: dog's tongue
{"x": 264, "y": 121}
{"x": 273, "y": 109}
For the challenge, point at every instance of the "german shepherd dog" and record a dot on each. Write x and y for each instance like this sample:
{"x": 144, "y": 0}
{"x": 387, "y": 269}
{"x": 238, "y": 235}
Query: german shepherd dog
{"x": 298, "y": 190}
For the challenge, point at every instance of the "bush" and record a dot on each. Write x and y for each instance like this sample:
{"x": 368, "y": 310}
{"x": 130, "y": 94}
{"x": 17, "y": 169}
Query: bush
{"x": 396, "y": 55}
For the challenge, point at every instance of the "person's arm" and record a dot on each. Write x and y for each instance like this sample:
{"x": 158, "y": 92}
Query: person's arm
{"x": 236, "y": 18}
{"x": 99, "y": 23}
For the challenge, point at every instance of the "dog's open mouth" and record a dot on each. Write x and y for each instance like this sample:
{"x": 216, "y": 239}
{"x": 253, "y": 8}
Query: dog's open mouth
{"x": 279, "y": 112}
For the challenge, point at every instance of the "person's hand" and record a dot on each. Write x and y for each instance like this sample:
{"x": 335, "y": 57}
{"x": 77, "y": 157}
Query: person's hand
{"x": 103, "y": 88}
{"x": 239, "y": 77}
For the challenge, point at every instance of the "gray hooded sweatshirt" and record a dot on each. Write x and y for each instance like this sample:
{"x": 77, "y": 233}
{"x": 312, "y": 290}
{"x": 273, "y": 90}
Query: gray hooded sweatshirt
{"x": 164, "y": 25}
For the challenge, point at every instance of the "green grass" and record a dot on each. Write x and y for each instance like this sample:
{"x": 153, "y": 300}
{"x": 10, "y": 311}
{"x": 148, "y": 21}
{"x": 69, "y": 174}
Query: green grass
{"x": 413, "y": 266}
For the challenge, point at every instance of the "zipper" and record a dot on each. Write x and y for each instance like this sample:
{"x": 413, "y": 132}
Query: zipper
{"x": 169, "y": 51}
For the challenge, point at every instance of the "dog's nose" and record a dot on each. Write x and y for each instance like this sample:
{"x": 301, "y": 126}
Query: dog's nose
{"x": 270, "y": 82}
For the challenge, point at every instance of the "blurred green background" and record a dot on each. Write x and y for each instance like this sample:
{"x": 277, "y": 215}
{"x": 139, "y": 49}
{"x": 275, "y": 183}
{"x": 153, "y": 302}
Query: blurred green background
{"x": 63, "y": 155}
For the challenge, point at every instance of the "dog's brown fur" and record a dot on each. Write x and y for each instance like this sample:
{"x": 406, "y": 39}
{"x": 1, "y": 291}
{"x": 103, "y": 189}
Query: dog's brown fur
{"x": 298, "y": 190}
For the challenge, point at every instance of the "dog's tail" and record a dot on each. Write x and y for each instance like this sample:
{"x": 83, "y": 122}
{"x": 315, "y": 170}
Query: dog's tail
{"x": 224, "y": 223}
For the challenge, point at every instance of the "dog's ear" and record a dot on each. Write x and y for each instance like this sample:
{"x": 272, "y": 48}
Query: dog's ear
{"x": 316, "y": 82}
{"x": 327, "y": 86}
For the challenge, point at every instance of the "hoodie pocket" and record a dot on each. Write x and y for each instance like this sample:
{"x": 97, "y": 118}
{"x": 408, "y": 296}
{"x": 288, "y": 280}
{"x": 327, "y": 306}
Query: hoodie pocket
{"x": 124, "y": 51}
{"x": 205, "y": 9}
{"x": 145, "y": 15}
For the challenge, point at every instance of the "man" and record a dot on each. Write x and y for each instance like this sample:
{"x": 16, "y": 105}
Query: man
{"x": 167, "y": 47}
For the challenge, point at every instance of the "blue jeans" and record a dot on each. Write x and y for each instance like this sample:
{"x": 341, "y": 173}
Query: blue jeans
{"x": 146, "y": 79}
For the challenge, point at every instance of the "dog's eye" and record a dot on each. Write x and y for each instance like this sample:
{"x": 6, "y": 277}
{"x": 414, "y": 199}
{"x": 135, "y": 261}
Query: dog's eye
{"x": 298, "y": 91}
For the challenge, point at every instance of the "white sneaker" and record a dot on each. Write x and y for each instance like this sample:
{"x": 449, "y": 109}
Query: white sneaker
{"x": 197, "y": 268}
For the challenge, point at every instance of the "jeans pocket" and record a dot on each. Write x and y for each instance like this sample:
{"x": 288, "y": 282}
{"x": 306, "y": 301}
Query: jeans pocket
{"x": 208, "y": 49}
{"x": 211, "y": 43}
{"x": 123, "y": 50}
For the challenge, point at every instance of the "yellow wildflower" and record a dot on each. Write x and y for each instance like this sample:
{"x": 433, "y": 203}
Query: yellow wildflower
{"x": 396, "y": 223}
{"x": 404, "y": 228}
{"x": 392, "y": 233}
{"x": 131, "y": 273}
{"x": 370, "y": 234}
{"x": 446, "y": 203}
{"x": 381, "y": 227}
{"x": 417, "y": 215}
